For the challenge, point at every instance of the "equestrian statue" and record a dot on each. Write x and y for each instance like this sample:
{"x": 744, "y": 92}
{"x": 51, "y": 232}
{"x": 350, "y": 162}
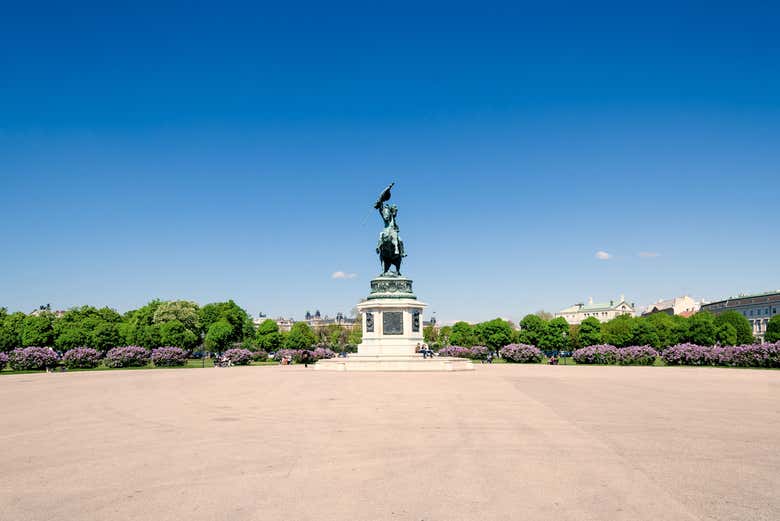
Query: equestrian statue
{"x": 390, "y": 246}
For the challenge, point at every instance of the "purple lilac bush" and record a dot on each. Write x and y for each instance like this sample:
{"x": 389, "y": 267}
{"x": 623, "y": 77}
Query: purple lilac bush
{"x": 238, "y": 356}
{"x": 127, "y": 356}
{"x": 478, "y": 353}
{"x": 169, "y": 356}
{"x": 521, "y": 353}
{"x": 3, "y": 360}
{"x": 637, "y": 355}
{"x": 323, "y": 352}
{"x": 753, "y": 355}
{"x": 32, "y": 358}
{"x": 455, "y": 351}
{"x": 598, "y": 354}
{"x": 81, "y": 358}
{"x": 687, "y": 354}
{"x": 282, "y": 353}
{"x": 259, "y": 356}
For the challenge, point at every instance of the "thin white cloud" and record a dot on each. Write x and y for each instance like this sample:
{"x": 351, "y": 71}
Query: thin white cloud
{"x": 343, "y": 275}
{"x": 602, "y": 255}
{"x": 649, "y": 254}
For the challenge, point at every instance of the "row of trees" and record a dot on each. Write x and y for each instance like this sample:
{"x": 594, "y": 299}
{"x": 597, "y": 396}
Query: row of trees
{"x": 659, "y": 331}
{"x": 180, "y": 323}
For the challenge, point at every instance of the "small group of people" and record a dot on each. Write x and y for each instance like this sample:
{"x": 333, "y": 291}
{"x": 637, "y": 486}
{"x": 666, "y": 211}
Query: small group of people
{"x": 426, "y": 351}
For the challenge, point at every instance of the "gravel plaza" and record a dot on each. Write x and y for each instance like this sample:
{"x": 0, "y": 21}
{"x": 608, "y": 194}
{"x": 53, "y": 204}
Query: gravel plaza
{"x": 503, "y": 442}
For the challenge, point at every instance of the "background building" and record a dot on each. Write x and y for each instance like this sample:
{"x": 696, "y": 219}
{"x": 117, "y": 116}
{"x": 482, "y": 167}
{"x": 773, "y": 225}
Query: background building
{"x": 603, "y": 311}
{"x": 314, "y": 321}
{"x": 758, "y": 309}
{"x": 684, "y": 306}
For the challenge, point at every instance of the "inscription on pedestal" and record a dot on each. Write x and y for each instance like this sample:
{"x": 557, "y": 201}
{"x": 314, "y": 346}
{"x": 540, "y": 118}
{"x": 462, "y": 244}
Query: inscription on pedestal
{"x": 393, "y": 323}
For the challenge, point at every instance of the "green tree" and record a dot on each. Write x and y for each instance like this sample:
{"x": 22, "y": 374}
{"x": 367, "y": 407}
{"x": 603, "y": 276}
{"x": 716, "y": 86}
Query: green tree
{"x": 150, "y": 337}
{"x": 37, "y": 330}
{"x": 445, "y": 334}
{"x": 266, "y": 327}
{"x": 532, "y": 329}
{"x": 219, "y": 336}
{"x": 11, "y": 330}
{"x": 70, "y": 336}
{"x": 300, "y": 337}
{"x": 8, "y": 341}
{"x": 185, "y": 311}
{"x": 645, "y": 333}
{"x": 462, "y": 334}
{"x": 332, "y": 335}
{"x": 355, "y": 335}
{"x": 726, "y": 334}
{"x": 555, "y": 335}
{"x": 268, "y": 337}
{"x": 702, "y": 329}
{"x": 773, "y": 329}
{"x": 174, "y": 333}
{"x": 590, "y": 332}
{"x": 619, "y": 331}
{"x": 87, "y": 326}
{"x": 430, "y": 334}
{"x": 139, "y": 328}
{"x": 494, "y": 334}
{"x": 741, "y": 325}
{"x": 671, "y": 330}
{"x": 105, "y": 336}
{"x": 239, "y": 320}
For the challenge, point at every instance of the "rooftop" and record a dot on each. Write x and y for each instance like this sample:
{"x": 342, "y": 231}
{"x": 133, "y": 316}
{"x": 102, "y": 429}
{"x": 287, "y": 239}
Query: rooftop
{"x": 744, "y": 296}
{"x": 595, "y": 306}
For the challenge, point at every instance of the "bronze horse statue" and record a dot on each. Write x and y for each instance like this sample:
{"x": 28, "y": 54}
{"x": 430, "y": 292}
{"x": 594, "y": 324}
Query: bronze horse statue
{"x": 390, "y": 246}
{"x": 388, "y": 256}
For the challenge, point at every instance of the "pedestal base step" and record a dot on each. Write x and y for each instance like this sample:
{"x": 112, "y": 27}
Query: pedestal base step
{"x": 394, "y": 363}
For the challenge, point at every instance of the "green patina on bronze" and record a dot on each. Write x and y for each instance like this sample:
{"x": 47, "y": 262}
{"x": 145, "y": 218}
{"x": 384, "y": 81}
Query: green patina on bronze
{"x": 390, "y": 246}
{"x": 390, "y": 283}
{"x": 391, "y": 286}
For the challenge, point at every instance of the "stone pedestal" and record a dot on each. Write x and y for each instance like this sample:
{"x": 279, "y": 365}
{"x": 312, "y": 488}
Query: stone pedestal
{"x": 392, "y": 331}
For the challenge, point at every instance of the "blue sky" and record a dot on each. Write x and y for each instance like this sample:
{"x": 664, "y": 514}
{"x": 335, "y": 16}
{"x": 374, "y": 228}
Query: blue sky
{"x": 234, "y": 151}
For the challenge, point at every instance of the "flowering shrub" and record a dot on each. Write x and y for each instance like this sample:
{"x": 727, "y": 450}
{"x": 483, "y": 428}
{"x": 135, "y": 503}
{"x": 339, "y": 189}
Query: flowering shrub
{"x": 687, "y": 354}
{"x": 478, "y": 353}
{"x": 128, "y": 356}
{"x": 3, "y": 360}
{"x": 637, "y": 355}
{"x": 81, "y": 358}
{"x": 753, "y": 355}
{"x": 238, "y": 356}
{"x": 169, "y": 356}
{"x": 282, "y": 353}
{"x": 521, "y": 353}
{"x": 259, "y": 356}
{"x": 598, "y": 354}
{"x": 323, "y": 352}
{"x": 456, "y": 351}
{"x": 32, "y": 358}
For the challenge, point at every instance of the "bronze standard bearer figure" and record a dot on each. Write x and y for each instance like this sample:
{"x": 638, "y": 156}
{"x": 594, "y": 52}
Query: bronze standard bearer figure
{"x": 390, "y": 247}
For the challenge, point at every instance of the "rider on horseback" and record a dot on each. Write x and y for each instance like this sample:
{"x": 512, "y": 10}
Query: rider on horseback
{"x": 390, "y": 247}
{"x": 389, "y": 213}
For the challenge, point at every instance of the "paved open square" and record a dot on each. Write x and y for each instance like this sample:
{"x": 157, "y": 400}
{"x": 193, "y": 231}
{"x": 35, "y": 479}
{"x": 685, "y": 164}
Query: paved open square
{"x": 286, "y": 443}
